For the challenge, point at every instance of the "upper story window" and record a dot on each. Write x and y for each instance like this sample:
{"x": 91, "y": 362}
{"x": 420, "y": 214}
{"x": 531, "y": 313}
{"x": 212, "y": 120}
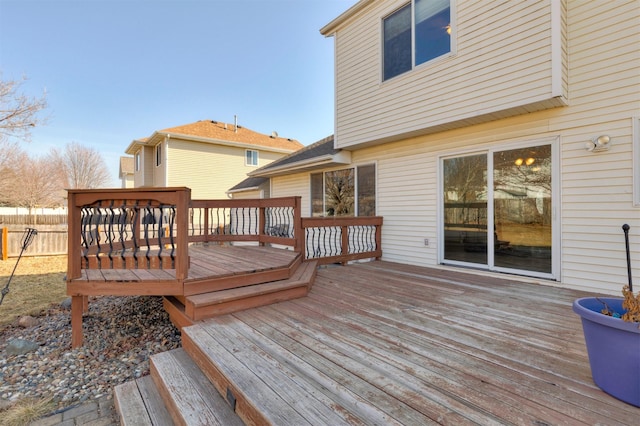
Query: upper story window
{"x": 158, "y": 154}
{"x": 137, "y": 161}
{"x": 251, "y": 157}
{"x": 415, "y": 34}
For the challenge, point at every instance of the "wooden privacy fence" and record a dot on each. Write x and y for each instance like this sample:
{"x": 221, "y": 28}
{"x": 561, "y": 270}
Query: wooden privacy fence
{"x": 50, "y": 241}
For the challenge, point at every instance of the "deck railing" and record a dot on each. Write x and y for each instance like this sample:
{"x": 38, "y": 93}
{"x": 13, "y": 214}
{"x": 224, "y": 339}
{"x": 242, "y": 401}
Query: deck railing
{"x": 269, "y": 220}
{"x": 128, "y": 229}
{"x": 342, "y": 239}
{"x": 148, "y": 228}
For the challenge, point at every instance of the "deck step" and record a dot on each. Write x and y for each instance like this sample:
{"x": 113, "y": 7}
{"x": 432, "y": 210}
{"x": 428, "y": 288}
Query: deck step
{"x": 235, "y": 280}
{"x": 189, "y": 396}
{"x": 208, "y": 305}
{"x": 265, "y": 387}
{"x": 175, "y": 309}
{"x": 138, "y": 403}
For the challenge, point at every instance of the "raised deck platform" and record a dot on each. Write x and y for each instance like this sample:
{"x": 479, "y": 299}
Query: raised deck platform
{"x": 221, "y": 279}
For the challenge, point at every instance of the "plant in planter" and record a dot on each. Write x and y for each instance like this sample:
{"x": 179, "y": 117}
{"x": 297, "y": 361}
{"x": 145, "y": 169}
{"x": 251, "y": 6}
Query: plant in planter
{"x": 612, "y": 334}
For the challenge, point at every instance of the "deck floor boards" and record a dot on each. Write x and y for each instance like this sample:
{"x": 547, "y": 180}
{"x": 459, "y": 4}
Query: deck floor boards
{"x": 383, "y": 343}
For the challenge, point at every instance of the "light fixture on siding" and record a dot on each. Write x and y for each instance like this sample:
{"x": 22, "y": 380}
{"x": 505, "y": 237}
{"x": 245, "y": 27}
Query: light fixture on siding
{"x": 601, "y": 143}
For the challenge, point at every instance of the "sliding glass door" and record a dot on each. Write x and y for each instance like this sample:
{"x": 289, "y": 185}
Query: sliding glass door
{"x": 497, "y": 210}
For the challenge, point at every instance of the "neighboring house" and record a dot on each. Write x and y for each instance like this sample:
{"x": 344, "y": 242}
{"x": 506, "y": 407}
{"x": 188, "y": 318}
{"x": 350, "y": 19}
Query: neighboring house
{"x": 207, "y": 156}
{"x": 500, "y": 136}
{"x": 126, "y": 172}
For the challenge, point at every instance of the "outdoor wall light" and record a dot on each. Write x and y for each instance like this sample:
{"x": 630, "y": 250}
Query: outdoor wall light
{"x": 601, "y": 143}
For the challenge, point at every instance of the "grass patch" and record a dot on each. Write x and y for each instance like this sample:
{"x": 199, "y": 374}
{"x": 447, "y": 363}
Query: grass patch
{"x": 38, "y": 282}
{"x": 26, "y": 411}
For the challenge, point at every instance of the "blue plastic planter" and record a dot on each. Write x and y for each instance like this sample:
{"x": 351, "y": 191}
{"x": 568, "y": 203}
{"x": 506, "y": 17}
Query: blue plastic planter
{"x": 613, "y": 347}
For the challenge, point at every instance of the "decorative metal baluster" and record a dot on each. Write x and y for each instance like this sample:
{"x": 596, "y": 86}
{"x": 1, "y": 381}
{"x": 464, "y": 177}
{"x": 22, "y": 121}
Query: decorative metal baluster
{"x": 110, "y": 230}
{"x": 136, "y": 232}
{"x": 98, "y": 214}
{"x": 148, "y": 217}
{"x": 172, "y": 219}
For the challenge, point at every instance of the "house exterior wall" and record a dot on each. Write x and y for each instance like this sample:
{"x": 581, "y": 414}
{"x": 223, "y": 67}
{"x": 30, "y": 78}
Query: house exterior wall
{"x": 127, "y": 181}
{"x": 209, "y": 169}
{"x": 507, "y": 58}
{"x": 298, "y": 184}
{"x": 595, "y": 190}
{"x": 144, "y": 176}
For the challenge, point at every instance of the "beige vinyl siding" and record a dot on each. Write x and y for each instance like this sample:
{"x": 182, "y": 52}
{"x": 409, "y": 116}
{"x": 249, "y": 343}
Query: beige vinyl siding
{"x": 210, "y": 170}
{"x": 159, "y": 171}
{"x": 298, "y": 184}
{"x": 147, "y": 160}
{"x": 505, "y": 64}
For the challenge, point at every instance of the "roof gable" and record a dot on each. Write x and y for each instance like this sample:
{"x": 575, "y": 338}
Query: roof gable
{"x": 317, "y": 155}
{"x": 210, "y": 131}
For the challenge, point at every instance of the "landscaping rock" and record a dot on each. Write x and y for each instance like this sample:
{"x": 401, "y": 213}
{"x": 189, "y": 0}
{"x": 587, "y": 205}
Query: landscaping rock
{"x": 66, "y": 304}
{"x": 27, "y": 321}
{"x": 21, "y": 347}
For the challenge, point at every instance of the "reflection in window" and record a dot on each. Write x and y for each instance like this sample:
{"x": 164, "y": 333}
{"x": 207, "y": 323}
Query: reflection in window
{"x": 345, "y": 192}
{"x": 431, "y": 35}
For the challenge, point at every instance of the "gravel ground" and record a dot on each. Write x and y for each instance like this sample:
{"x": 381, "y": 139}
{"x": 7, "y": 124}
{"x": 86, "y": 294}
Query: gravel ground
{"x": 120, "y": 333}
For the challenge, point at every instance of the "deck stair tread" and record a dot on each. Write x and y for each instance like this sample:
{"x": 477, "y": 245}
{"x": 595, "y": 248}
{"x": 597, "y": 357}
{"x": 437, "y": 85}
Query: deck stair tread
{"x": 208, "y": 305}
{"x": 138, "y": 403}
{"x": 276, "y": 399}
{"x": 233, "y": 274}
{"x": 300, "y": 277}
{"x": 189, "y": 396}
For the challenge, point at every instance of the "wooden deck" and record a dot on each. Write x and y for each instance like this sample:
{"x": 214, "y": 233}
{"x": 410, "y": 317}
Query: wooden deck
{"x": 384, "y": 343}
{"x": 205, "y": 263}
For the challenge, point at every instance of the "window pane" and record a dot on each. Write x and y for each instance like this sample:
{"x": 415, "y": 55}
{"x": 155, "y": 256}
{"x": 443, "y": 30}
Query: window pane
{"x": 465, "y": 209}
{"x": 158, "y": 155}
{"x": 397, "y": 43}
{"x": 432, "y": 20}
{"x": 367, "y": 190}
{"x": 251, "y": 158}
{"x": 317, "y": 195}
{"x": 339, "y": 193}
{"x": 522, "y": 208}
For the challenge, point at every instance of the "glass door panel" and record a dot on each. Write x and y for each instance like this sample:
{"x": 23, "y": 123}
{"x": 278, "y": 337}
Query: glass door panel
{"x": 465, "y": 209}
{"x": 522, "y": 208}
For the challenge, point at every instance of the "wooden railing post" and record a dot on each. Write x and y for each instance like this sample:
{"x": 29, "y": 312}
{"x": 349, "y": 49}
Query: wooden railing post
{"x": 345, "y": 242}
{"x": 183, "y": 201}
{"x": 73, "y": 237}
{"x": 262, "y": 221}
{"x": 298, "y": 232}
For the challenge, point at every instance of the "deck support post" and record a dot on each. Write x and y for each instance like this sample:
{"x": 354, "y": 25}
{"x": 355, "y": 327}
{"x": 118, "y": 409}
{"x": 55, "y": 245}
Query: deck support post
{"x": 78, "y": 306}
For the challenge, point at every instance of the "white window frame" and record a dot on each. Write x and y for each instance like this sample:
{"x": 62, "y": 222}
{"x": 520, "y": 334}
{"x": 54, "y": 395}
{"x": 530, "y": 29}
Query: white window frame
{"x": 556, "y": 232}
{"x": 452, "y": 45}
{"x": 635, "y": 125}
{"x": 253, "y": 160}
{"x": 158, "y": 152}
{"x": 356, "y": 206}
{"x": 137, "y": 161}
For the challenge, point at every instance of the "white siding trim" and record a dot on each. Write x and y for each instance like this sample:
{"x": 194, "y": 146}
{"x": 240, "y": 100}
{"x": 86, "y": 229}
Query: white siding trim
{"x": 556, "y": 48}
{"x": 635, "y": 125}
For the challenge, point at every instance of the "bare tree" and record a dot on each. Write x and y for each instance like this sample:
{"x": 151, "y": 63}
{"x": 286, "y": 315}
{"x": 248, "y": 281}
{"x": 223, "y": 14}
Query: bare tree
{"x": 11, "y": 159}
{"x": 18, "y": 112}
{"x": 34, "y": 185}
{"x": 82, "y": 167}
{"x": 18, "y": 115}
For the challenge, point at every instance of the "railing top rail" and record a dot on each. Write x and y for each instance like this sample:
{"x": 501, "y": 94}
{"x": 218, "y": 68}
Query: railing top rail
{"x": 88, "y": 197}
{"x": 262, "y": 202}
{"x": 309, "y": 222}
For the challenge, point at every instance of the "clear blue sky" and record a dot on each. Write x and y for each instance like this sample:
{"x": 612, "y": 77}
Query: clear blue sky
{"x": 117, "y": 70}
